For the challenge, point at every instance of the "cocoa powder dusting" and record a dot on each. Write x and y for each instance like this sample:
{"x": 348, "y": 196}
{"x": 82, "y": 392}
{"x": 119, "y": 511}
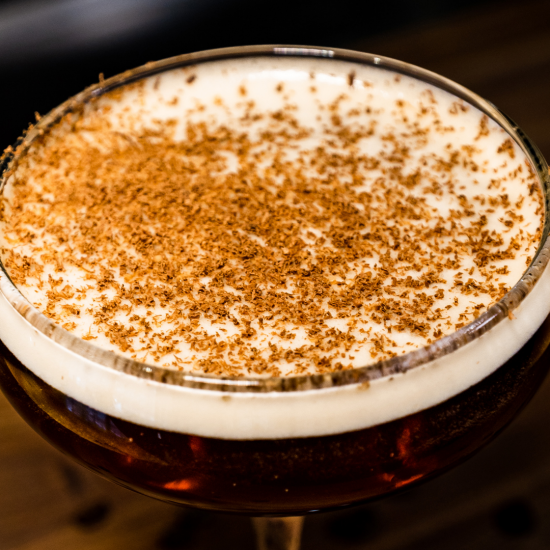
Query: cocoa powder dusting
{"x": 246, "y": 249}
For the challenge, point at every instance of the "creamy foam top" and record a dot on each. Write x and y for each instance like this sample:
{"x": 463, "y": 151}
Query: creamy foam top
{"x": 270, "y": 216}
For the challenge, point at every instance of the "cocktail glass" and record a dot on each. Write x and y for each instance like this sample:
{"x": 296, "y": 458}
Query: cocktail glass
{"x": 272, "y": 478}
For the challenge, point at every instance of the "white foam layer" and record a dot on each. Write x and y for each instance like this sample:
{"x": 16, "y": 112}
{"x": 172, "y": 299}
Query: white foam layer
{"x": 270, "y": 415}
{"x": 287, "y": 414}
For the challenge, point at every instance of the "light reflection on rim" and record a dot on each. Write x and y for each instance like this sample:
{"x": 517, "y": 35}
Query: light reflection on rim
{"x": 402, "y": 363}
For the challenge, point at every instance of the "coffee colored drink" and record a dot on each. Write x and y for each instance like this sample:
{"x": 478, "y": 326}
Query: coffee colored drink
{"x": 275, "y": 283}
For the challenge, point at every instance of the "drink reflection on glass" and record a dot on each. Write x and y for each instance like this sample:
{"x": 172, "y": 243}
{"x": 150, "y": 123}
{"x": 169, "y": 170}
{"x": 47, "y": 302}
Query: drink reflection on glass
{"x": 273, "y": 280}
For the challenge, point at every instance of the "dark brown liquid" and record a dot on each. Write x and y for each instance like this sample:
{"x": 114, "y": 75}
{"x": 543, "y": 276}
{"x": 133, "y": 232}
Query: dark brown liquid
{"x": 288, "y": 476}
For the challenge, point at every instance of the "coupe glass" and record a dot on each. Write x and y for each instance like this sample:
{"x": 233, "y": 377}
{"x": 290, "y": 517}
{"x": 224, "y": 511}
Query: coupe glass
{"x": 278, "y": 480}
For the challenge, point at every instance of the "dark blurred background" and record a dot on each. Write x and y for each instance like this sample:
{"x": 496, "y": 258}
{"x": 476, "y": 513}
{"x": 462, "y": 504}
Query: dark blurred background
{"x": 52, "y": 49}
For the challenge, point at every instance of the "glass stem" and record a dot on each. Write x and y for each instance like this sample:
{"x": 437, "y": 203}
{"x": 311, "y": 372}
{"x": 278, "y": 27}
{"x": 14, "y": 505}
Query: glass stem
{"x": 278, "y": 533}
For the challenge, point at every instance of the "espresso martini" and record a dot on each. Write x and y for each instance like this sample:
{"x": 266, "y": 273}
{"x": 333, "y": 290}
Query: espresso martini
{"x": 289, "y": 264}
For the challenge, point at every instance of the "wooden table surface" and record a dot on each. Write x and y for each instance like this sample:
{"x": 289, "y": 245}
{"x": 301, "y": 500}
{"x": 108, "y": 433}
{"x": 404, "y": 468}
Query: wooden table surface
{"x": 499, "y": 499}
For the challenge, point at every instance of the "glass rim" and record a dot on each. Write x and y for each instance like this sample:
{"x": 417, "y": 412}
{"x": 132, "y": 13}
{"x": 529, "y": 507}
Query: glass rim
{"x": 395, "y": 365}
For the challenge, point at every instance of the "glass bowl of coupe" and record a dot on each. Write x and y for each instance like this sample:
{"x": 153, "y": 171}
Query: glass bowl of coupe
{"x": 273, "y": 280}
